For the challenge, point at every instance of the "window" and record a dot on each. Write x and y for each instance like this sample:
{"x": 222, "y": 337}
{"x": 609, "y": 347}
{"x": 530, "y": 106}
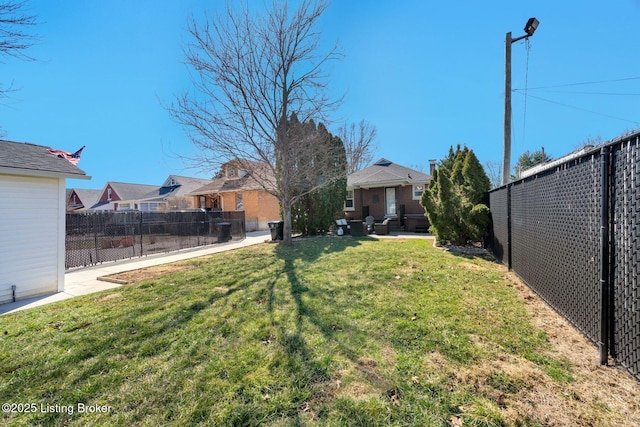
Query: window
{"x": 232, "y": 172}
{"x": 349, "y": 201}
{"x": 239, "y": 203}
{"x": 202, "y": 202}
{"x": 152, "y": 206}
{"x": 109, "y": 194}
{"x": 418, "y": 189}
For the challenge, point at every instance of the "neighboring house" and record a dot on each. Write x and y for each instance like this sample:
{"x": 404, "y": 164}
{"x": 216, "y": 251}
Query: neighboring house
{"x": 81, "y": 199}
{"x": 173, "y": 195}
{"x": 32, "y": 230}
{"x": 122, "y": 196}
{"x": 388, "y": 190}
{"x": 235, "y": 189}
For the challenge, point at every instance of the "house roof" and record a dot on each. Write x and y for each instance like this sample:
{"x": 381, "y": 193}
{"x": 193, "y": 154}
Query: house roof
{"x": 176, "y": 186}
{"x": 125, "y": 192}
{"x": 128, "y": 191}
{"x": 385, "y": 173}
{"x": 222, "y": 185}
{"x": 22, "y": 158}
{"x": 246, "y": 182}
{"x": 86, "y": 197}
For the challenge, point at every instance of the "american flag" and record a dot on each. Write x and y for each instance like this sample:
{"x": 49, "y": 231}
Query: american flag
{"x": 72, "y": 157}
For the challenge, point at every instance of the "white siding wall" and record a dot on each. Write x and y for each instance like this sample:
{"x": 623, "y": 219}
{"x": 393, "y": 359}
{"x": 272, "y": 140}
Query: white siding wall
{"x": 31, "y": 236}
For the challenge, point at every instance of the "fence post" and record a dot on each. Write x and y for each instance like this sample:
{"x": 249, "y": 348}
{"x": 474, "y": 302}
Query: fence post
{"x": 141, "y": 214}
{"x": 94, "y": 228}
{"x": 603, "y": 343}
{"x": 509, "y": 227}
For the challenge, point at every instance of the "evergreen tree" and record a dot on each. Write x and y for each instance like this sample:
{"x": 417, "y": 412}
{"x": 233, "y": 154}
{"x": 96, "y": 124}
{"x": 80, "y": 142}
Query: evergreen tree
{"x": 455, "y": 201}
{"x": 476, "y": 182}
{"x": 315, "y": 211}
{"x": 528, "y": 160}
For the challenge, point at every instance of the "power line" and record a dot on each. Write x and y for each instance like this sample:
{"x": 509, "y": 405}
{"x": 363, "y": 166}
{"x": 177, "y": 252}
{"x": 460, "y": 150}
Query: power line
{"x": 582, "y": 93}
{"x": 582, "y": 109}
{"x": 583, "y": 83}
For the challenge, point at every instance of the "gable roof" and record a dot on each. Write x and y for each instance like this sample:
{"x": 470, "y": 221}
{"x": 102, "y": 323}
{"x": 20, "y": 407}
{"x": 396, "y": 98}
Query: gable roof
{"x": 20, "y": 158}
{"x": 124, "y": 191}
{"x": 385, "y": 173}
{"x": 183, "y": 186}
{"x": 128, "y": 191}
{"x": 243, "y": 182}
{"x": 222, "y": 185}
{"x": 86, "y": 197}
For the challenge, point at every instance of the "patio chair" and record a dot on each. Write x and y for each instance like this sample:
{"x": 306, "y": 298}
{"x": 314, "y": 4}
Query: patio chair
{"x": 369, "y": 221}
{"x": 383, "y": 227}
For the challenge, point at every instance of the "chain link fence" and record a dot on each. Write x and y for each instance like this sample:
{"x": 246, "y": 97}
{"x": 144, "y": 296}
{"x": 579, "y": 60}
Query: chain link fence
{"x": 96, "y": 237}
{"x": 572, "y": 234}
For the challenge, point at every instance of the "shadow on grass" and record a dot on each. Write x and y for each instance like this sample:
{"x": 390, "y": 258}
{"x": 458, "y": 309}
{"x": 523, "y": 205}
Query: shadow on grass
{"x": 332, "y": 322}
{"x": 110, "y": 350}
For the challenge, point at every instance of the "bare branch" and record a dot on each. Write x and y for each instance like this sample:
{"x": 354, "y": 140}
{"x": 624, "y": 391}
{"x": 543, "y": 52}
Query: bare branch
{"x": 251, "y": 75}
{"x": 14, "y": 40}
{"x": 359, "y": 144}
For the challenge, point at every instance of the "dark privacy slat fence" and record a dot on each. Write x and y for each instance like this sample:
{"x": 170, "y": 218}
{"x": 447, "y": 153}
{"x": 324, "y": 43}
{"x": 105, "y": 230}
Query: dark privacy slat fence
{"x": 625, "y": 250}
{"x": 96, "y": 237}
{"x": 572, "y": 233}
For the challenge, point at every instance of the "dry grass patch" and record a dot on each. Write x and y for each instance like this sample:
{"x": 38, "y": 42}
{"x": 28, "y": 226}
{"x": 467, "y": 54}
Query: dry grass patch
{"x": 598, "y": 395}
{"x": 149, "y": 273}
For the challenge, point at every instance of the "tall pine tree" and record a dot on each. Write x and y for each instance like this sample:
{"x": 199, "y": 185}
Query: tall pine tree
{"x": 315, "y": 212}
{"x": 455, "y": 202}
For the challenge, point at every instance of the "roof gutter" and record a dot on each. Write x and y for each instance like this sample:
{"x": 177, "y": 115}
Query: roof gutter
{"x": 41, "y": 173}
{"x": 385, "y": 184}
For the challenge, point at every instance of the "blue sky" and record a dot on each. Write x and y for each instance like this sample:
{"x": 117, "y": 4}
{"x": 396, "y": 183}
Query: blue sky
{"x": 427, "y": 74}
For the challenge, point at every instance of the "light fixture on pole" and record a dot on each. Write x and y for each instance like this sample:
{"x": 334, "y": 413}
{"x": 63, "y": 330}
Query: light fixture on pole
{"x": 529, "y": 29}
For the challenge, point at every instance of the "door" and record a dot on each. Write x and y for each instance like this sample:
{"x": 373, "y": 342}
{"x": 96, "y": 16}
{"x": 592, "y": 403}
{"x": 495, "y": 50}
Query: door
{"x": 390, "y": 201}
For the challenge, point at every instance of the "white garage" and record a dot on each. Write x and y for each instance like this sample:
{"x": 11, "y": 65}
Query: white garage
{"x": 32, "y": 219}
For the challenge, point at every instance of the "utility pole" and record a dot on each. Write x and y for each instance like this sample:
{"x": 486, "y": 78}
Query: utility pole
{"x": 530, "y": 28}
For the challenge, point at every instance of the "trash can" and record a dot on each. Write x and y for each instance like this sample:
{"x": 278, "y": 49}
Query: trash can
{"x": 224, "y": 231}
{"x": 277, "y": 230}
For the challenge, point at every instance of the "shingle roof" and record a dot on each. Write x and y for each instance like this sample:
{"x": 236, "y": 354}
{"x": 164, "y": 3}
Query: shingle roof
{"x": 244, "y": 183}
{"x": 127, "y": 191}
{"x": 385, "y": 173}
{"x": 221, "y": 185}
{"x": 184, "y": 187}
{"x": 20, "y": 157}
{"x": 86, "y": 197}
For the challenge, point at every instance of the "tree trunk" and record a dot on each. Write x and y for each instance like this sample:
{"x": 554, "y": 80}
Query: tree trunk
{"x": 287, "y": 239}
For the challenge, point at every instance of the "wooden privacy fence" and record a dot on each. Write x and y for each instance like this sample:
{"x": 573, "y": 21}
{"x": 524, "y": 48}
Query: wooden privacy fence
{"x": 95, "y": 237}
{"x": 572, "y": 233}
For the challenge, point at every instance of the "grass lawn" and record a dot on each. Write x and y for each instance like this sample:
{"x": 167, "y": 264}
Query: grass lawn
{"x": 331, "y": 331}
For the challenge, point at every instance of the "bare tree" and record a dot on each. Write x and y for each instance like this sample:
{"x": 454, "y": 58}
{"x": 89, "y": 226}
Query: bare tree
{"x": 494, "y": 172}
{"x": 14, "y": 39}
{"x": 251, "y": 75}
{"x": 589, "y": 140}
{"x": 359, "y": 144}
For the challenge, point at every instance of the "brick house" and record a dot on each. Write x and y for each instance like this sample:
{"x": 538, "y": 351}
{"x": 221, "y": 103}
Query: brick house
{"x": 386, "y": 190}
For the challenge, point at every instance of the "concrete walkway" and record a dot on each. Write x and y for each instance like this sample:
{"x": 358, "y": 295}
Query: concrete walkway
{"x": 84, "y": 281}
